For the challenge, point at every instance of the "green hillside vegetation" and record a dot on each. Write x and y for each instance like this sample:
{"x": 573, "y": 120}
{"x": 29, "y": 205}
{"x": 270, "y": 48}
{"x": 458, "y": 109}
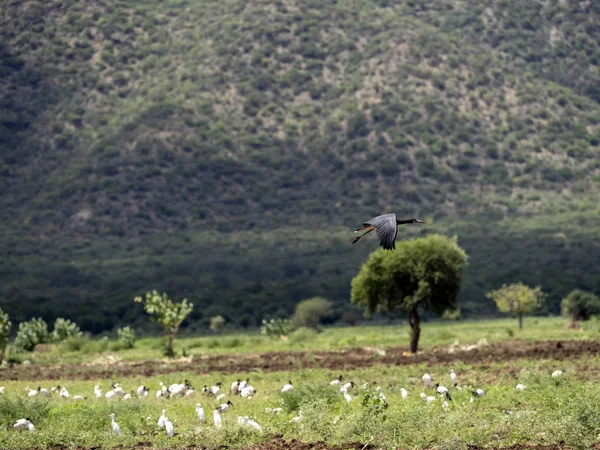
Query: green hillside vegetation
{"x": 224, "y": 150}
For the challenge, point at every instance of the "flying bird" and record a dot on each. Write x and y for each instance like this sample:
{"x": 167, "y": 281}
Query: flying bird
{"x": 386, "y": 227}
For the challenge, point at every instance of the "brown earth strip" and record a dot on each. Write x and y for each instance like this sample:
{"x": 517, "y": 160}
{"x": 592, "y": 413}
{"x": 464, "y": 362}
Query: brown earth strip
{"x": 335, "y": 360}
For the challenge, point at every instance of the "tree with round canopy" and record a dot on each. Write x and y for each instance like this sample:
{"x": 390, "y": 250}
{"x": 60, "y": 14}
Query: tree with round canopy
{"x": 421, "y": 274}
{"x": 580, "y": 305}
{"x": 518, "y": 299}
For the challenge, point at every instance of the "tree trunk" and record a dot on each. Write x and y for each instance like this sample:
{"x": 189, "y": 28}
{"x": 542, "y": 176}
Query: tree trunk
{"x": 170, "y": 351}
{"x": 520, "y": 320}
{"x": 415, "y": 321}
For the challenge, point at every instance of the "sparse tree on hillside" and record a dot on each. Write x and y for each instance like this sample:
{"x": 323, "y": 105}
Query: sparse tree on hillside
{"x": 580, "y": 305}
{"x": 217, "y": 323}
{"x": 5, "y": 326}
{"x": 517, "y": 299}
{"x": 309, "y": 313}
{"x": 421, "y": 274}
{"x": 167, "y": 314}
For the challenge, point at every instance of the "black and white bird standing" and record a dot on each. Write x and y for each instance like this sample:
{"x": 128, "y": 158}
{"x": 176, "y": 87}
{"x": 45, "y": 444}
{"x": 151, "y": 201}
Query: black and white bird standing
{"x": 386, "y": 227}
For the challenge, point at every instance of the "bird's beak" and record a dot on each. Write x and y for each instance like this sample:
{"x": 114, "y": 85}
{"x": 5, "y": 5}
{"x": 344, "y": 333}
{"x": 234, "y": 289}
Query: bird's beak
{"x": 419, "y": 221}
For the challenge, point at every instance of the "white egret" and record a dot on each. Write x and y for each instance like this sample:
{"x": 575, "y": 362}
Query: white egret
{"x": 161, "y": 419}
{"x": 168, "y": 427}
{"x": 115, "y": 426}
{"x": 217, "y": 419}
{"x": 426, "y": 380}
{"x": 200, "y": 412}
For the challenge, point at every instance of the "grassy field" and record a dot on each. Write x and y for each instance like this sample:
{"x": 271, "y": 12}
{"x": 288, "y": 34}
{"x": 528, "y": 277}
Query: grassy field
{"x": 334, "y": 338}
{"x": 549, "y": 410}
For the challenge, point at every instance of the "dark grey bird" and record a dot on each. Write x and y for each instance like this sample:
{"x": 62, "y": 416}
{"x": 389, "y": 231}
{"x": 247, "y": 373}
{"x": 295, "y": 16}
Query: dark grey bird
{"x": 386, "y": 227}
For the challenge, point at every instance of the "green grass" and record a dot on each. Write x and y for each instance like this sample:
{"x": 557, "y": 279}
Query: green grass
{"x": 333, "y": 338}
{"x": 548, "y": 411}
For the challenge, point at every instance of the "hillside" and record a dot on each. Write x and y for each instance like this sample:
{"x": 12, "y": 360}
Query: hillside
{"x": 224, "y": 150}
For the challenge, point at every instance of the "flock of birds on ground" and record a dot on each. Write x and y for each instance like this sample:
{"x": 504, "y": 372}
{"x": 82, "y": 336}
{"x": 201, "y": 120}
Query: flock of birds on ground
{"x": 243, "y": 389}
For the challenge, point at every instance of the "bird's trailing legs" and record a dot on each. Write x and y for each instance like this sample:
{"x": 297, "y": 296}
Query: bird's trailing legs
{"x": 368, "y": 229}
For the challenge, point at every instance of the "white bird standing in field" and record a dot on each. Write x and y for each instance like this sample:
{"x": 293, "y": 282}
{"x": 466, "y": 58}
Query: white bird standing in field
{"x": 347, "y": 396}
{"x": 521, "y": 387}
{"x": 217, "y": 419}
{"x": 162, "y": 418}
{"x": 200, "y": 412}
{"x": 477, "y": 393}
{"x": 22, "y": 424}
{"x": 64, "y": 393}
{"x": 31, "y": 392}
{"x": 453, "y": 377}
{"x": 430, "y": 399}
{"x": 115, "y": 426}
{"x": 235, "y": 387}
{"x": 426, "y": 380}
{"x": 216, "y": 389}
{"x": 403, "y": 393}
{"x": 1, "y": 390}
{"x": 337, "y": 381}
{"x": 220, "y": 397}
{"x": 43, "y": 391}
{"x": 249, "y": 422}
{"x": 224, "y": 407}
{"x": 247, "y": 391}
{"x": 142, "y": 391}
{"x": 348, "y": 386}
{"x": 442, "y": 390}
{"x": 168, "y": 427}
{"x": 243, "y": 384}
{"x": 97, "y": 391}
{"x": 557, "y": 373}
{"x": 287, "y": 387}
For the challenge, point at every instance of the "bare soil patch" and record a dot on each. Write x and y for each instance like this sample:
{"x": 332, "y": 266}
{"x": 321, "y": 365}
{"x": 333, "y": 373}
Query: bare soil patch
{"x": 346, "y": 359}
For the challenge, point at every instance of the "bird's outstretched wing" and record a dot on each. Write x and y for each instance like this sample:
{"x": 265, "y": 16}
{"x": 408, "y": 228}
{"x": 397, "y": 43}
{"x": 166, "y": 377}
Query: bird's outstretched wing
{"x": 387, "y": 229}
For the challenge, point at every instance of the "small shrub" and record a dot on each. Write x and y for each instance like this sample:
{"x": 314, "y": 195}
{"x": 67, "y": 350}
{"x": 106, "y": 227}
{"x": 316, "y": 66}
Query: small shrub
{"x": 217, "y": 323}
{"x": 75, "y": 343}
{"x": 126, "y": 337}
{"x": 31, "y": 333}
{"x": 64, "y": 329}
{"x": 275, "y": 328}
{"x": 303, "y": 334}
{"x": 310, "y": 312}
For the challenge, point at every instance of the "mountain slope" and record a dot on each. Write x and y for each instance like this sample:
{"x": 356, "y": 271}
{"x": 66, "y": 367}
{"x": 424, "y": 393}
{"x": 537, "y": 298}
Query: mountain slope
{"x": 128, "y": 126}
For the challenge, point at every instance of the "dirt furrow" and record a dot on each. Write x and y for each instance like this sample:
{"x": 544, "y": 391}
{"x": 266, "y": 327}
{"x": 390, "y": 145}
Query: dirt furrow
{"x": 346, "y": 359}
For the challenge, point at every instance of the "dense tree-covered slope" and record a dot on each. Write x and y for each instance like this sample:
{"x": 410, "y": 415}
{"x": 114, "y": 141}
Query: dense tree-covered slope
{"x": 193, "y": 146}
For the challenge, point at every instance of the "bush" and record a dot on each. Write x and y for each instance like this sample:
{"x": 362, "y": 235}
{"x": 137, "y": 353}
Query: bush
{"x": 64, "y": 329}
{"x": 126, "y": 337}
{"x": 275, "y": 328}
{"x": 309, "y": 313}
{"x": 217, "y": 323}
{"x": 580, "y": 305}
{"x": 302, "y": 334}
{"x": 31, "y": 333}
